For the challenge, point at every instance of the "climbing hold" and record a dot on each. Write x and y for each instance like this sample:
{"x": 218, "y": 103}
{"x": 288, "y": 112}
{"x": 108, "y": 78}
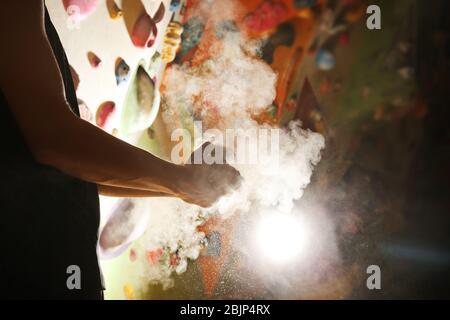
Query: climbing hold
{"x": 155, "y": 64}
{"x": 266, "y": 17}
{"x": 141, "y": 104}
{"x": 355, "y": 13}
{"x": 172, "y": 39}
{"x": 193, "y": 33}
{"x": 344, "y": 38}
{"x": 325, "y": 60}
{"x": 174, "y": 259}
{"x": 79, "y": 9}
{"x": 172, "y": 42}
{"x": 114, "y": 11}
{"x": 128, "y": 292}
{"x": 168, "y": 54}
{"x": 153, "y": 256}
{"x": 159, "y": 14}
{"x": 175, "y": 27}
{"x": 133, "y": 255}
{"x": 174, "y": 5}
{"x": 144, "y": 28}
{"x": 85, "y": 112}
{"x": 151, "y": 41}
{"x": 122, "y": 71}
{"x": 145, "y": 91}
{"x": 104, "y": 113}
{"x": 94, "y": 60}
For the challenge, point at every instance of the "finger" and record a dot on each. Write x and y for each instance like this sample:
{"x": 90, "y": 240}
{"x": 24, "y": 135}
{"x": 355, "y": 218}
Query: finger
{"x": 233, "y": 177}
{"x": 237, "y": 181}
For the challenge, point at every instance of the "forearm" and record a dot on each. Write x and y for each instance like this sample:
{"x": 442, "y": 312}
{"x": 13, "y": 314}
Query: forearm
{"x": 89, "y": 153}
{"x": 118, "y": 192}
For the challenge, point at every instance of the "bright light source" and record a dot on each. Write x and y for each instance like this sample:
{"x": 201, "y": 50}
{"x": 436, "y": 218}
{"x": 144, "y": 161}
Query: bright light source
{"x": 281, "y": 237}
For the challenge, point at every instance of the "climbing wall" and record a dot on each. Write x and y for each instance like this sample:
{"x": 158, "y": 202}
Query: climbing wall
{"x": 106, "y": 47}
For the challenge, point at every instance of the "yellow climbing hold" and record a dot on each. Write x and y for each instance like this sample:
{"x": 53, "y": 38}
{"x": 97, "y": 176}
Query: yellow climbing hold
{"x": 129, "y": 292}
{"x": 172, "y": 41}
{"x": 113, "y": 9}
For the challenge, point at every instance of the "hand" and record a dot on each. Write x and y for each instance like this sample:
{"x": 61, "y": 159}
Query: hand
{"x": 204, "y": 184}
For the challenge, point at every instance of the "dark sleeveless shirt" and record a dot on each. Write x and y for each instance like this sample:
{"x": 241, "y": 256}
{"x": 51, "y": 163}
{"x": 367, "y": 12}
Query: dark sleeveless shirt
{"x": 49, "y": 220}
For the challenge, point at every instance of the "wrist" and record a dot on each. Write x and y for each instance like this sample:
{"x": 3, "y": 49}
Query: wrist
{"x": 175, "y": 177}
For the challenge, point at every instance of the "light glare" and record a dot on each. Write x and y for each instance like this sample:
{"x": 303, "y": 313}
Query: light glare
{"x": 280, "y": 237}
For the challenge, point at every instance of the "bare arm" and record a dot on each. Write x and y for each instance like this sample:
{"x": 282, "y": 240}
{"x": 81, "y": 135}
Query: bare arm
{"x": 32, "y": 84}
{"x": 110, "y": 191}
